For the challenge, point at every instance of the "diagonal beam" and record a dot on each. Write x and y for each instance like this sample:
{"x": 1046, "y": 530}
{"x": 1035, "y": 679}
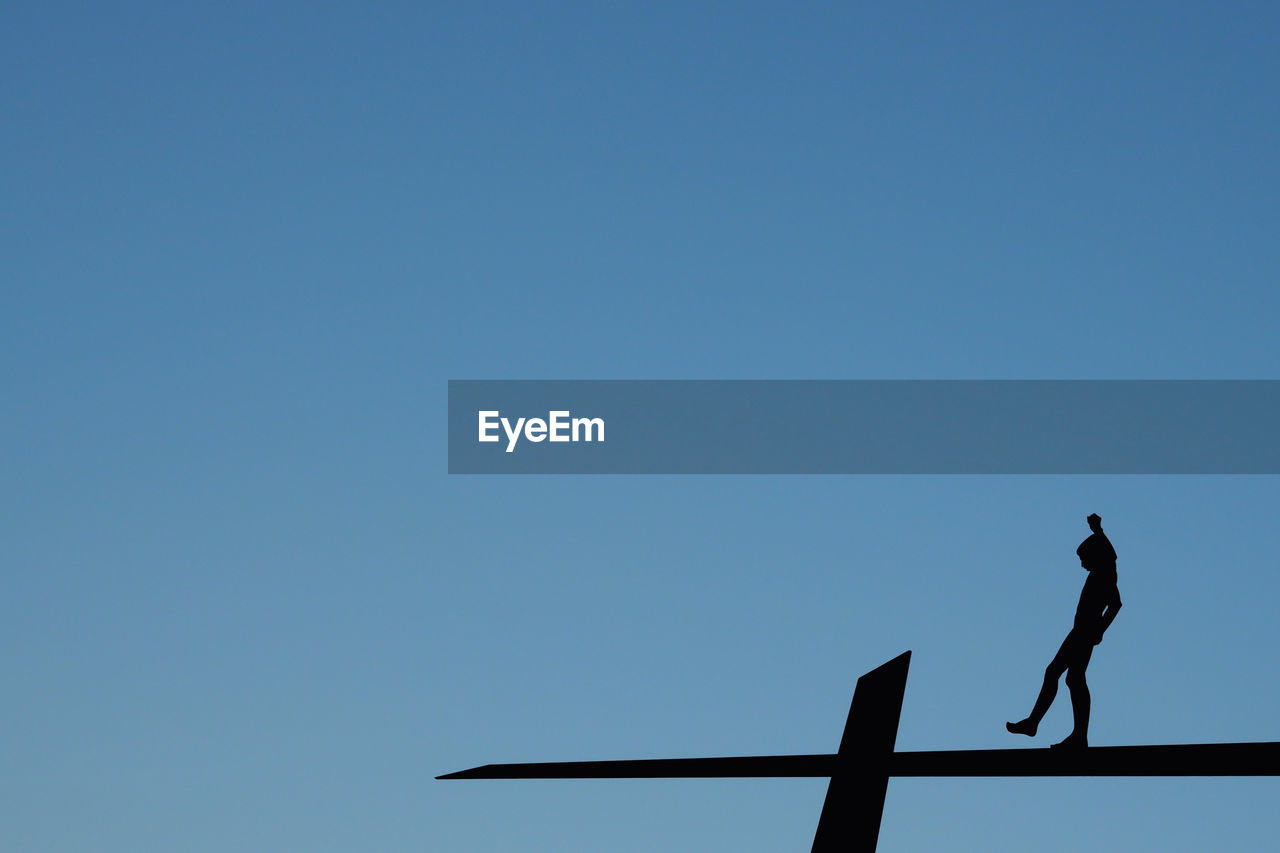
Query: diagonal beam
{"x": 851, "y": 812}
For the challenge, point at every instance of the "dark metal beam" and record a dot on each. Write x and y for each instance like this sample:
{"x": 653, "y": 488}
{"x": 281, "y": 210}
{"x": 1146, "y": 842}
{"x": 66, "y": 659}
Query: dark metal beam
{"x": 1188, "y": 759}
{"x": 659, "y": 768}
{"x": 850, "y": 819}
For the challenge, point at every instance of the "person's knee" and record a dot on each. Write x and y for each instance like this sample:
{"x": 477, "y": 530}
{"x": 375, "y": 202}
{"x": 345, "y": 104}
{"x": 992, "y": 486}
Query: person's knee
{"x": 1075, "y": 679}
{"x": 1053, "y": 672}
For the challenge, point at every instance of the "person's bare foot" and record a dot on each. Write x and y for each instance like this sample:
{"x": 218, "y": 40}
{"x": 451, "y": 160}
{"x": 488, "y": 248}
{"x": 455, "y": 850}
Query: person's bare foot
{"x": 1022, "y": 727}
{"x": 1072, "y": 741}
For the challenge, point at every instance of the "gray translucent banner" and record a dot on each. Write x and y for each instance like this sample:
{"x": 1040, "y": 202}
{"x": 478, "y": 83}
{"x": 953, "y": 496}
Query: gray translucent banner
{"x": 864, "y": 427}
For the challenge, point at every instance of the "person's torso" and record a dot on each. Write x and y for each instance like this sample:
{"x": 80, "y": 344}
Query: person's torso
{"x": 1095, "y": 596}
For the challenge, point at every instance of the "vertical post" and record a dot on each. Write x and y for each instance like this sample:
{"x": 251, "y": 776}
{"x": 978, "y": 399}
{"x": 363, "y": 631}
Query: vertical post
{"x": 850, "y": 818}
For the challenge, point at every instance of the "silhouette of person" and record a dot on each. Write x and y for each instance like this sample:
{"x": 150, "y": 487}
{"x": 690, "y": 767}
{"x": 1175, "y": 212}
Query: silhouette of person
{"x": 1099, "y": 603}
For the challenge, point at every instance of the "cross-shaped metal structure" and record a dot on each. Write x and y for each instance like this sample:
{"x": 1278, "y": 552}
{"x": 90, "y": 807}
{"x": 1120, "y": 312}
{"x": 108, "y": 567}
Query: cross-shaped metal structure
{"x": 861, "y": 768}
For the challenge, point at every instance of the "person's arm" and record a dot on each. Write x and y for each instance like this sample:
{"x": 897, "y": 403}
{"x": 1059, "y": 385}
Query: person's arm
{"x": 1109, "y": 614}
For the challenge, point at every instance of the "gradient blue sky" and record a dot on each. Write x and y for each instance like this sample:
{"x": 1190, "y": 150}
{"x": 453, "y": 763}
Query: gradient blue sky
{"x": 245, "y": 246}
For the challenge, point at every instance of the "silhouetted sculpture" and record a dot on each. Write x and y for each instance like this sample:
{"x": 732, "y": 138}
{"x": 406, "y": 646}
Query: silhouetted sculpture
{"x": 860, "y": 771}
{"x": 1099, "y": 602}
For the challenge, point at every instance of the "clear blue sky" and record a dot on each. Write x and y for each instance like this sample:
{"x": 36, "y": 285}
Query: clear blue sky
{"x": 245, "y": 246}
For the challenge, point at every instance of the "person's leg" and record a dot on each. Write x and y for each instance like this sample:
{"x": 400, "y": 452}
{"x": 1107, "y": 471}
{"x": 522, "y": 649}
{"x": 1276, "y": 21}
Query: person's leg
{"x": 1048, "y": 690}
{"x": 1080, "y": 699}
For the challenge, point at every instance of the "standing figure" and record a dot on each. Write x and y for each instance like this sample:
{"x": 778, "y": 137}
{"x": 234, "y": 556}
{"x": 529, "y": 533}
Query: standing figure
{"x": 1099, "y": 602}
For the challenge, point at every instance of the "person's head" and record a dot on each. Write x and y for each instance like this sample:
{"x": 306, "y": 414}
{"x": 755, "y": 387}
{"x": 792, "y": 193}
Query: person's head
{"x": 1095, "y": 522}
